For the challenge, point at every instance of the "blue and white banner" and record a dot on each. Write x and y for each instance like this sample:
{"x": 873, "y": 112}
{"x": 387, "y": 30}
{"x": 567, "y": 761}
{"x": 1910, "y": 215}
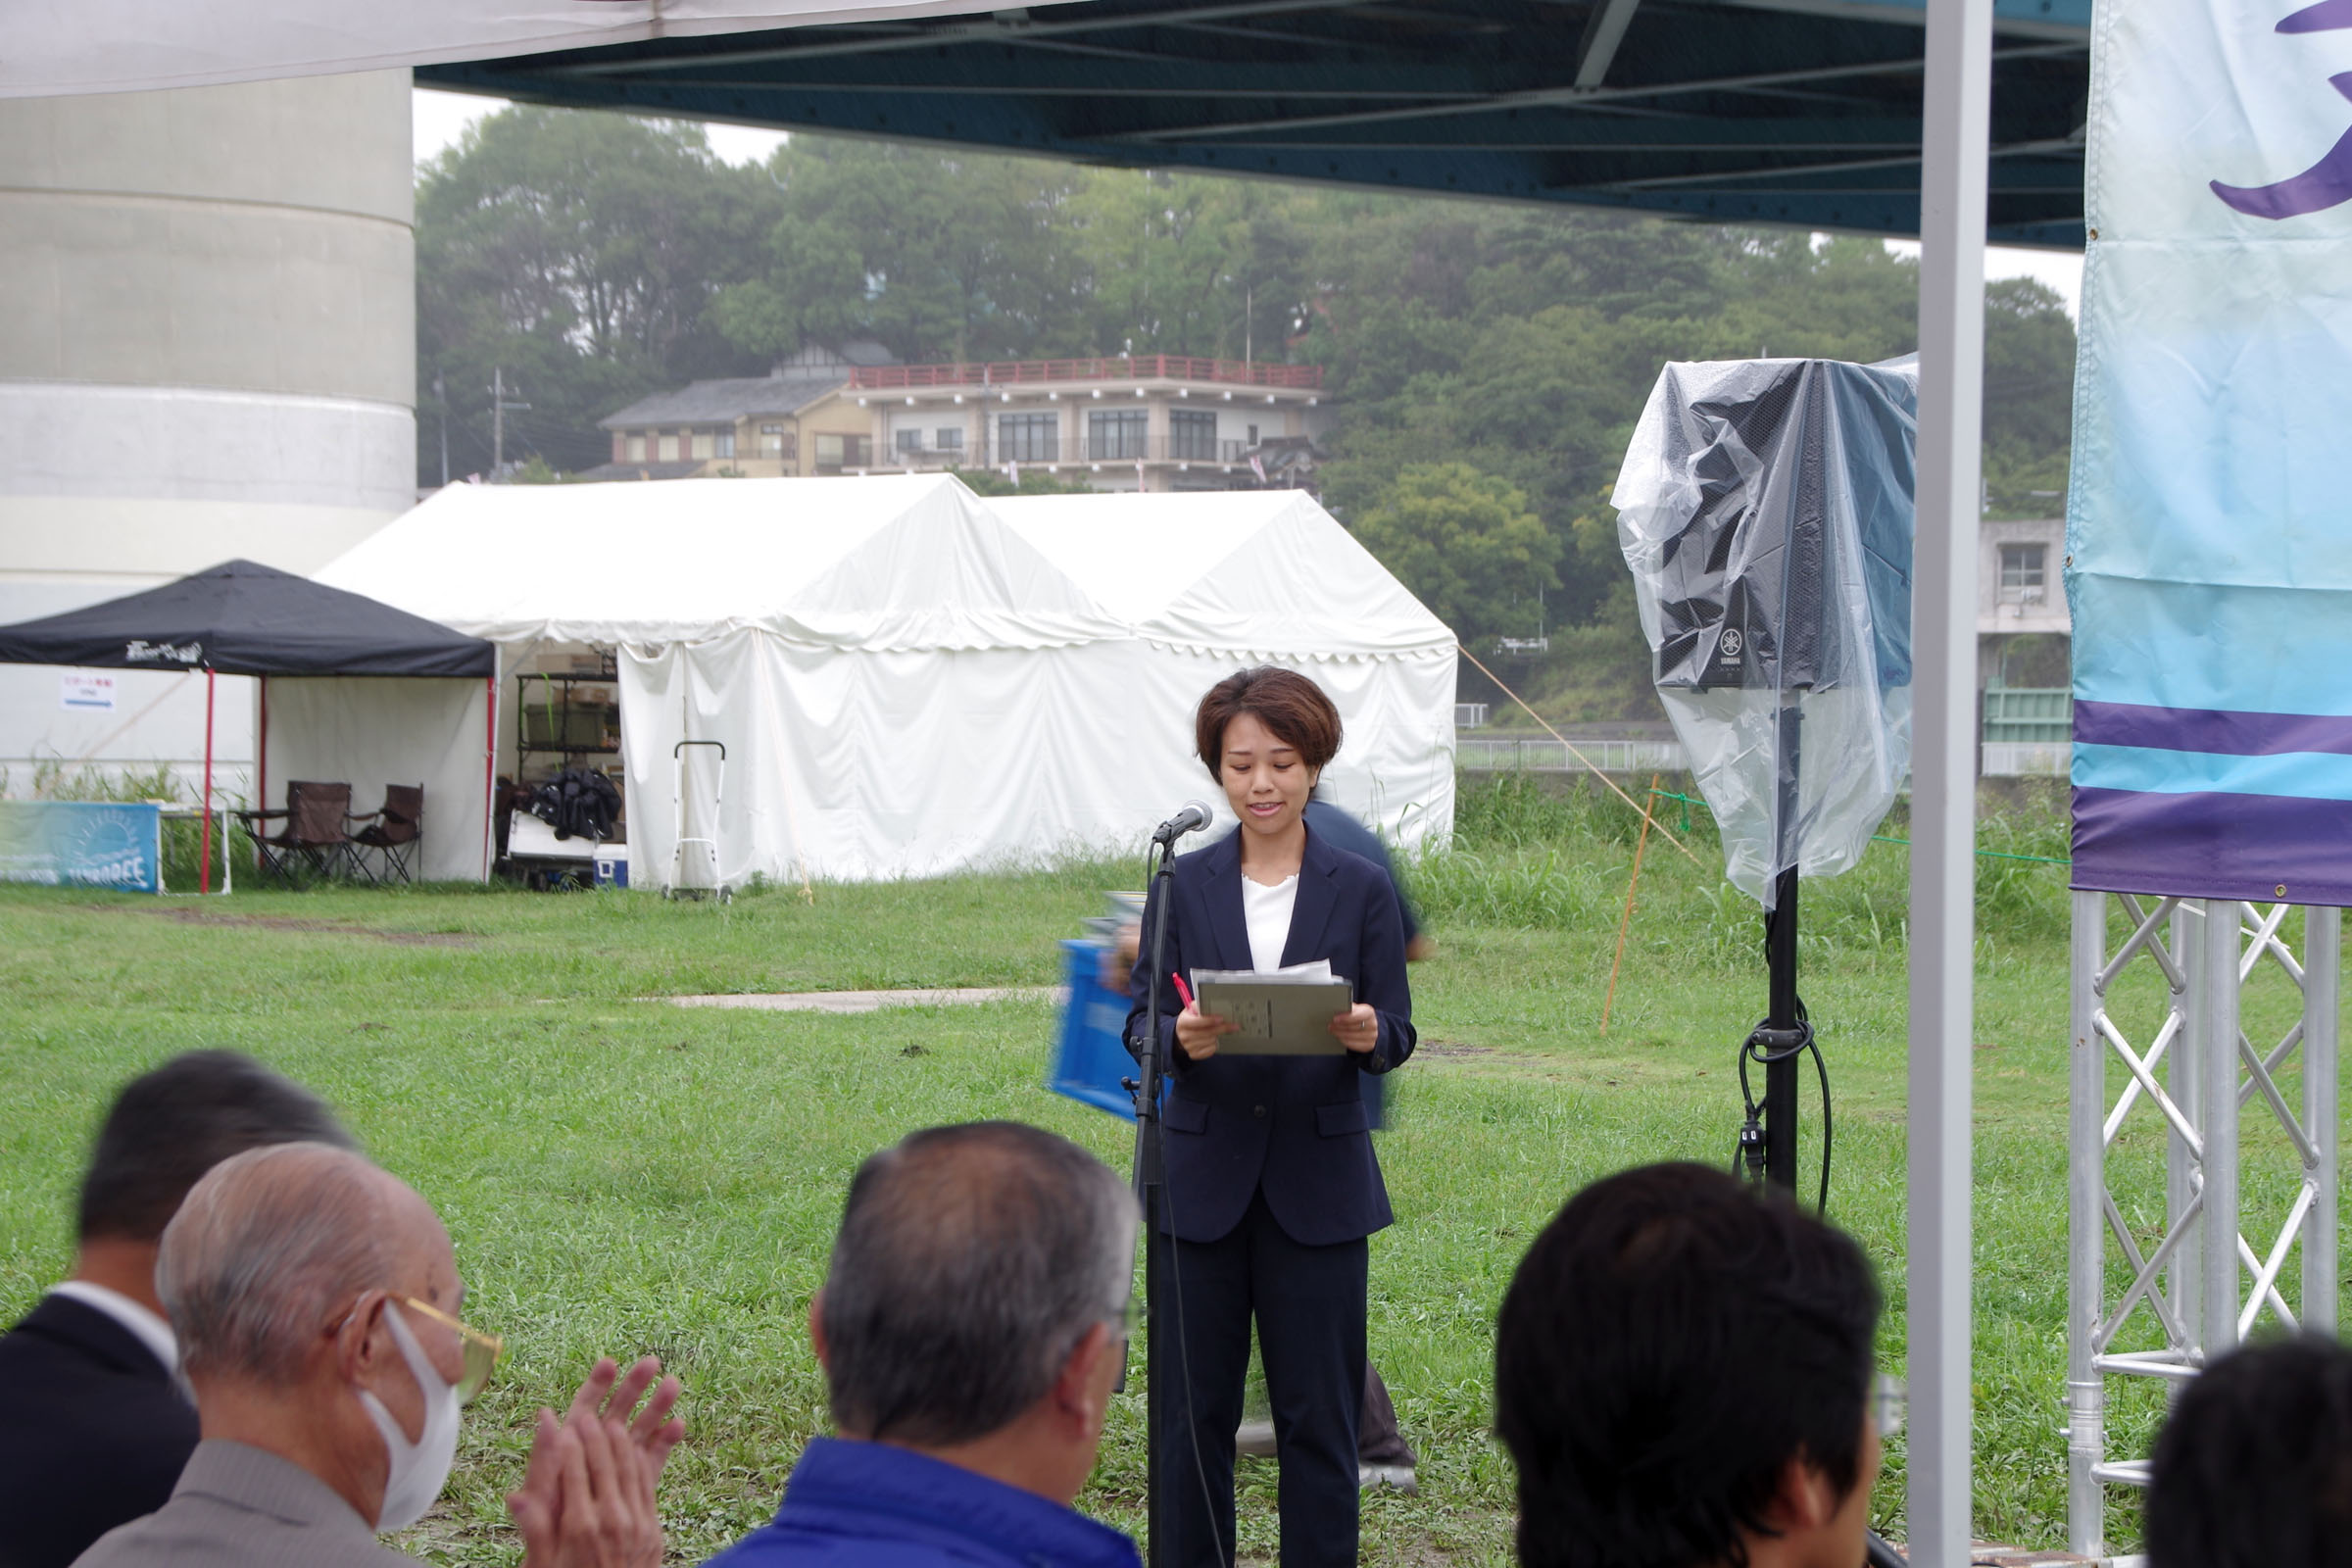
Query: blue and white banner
{"x": 2209, "y": 529}
{"x": 82, "y": 844}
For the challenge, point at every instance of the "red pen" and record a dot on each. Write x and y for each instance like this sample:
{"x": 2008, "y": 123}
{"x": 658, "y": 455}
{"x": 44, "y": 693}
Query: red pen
{"x": 1183, "y": 990}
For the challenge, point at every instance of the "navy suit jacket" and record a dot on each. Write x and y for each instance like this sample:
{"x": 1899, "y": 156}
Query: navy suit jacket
{"x": 106, "y": 1436}
{"x": 1296, "y": 1126}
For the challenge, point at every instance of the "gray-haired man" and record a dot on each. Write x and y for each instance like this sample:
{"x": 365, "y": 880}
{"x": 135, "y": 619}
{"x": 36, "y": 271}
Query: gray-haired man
{"x": 315, "y": 1297}
{"x": 971, "y": 1328}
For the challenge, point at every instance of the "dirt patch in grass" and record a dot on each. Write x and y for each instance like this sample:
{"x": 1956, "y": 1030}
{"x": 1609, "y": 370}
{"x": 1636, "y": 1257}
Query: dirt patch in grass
{"x": 281, "y": 922}
{"x": 1452, "y": 1047}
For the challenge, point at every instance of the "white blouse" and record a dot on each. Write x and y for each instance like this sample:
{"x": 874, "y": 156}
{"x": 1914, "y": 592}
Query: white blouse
{"x": 1268, "y": 910}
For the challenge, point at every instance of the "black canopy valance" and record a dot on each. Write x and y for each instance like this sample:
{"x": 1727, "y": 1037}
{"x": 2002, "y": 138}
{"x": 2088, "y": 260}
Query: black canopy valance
{"x": 244, "y": 619}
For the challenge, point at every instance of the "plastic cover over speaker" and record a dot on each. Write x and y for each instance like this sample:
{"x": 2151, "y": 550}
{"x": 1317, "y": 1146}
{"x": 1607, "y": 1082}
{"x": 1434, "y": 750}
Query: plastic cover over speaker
{"x": 1765, "y": 507}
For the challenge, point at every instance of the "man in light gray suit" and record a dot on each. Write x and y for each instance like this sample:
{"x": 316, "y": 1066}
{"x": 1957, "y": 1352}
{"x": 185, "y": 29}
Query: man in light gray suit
{"x": 316, "y": 1299}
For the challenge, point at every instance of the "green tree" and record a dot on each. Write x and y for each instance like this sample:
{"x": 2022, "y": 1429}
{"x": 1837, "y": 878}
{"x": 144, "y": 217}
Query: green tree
{"x": 575, "y": 256}
{"x": 1034, "y": 482}
{"x": 935, "y": 255}
{"x": 1467, "y": 546}
{"x": 2028, "y": 398}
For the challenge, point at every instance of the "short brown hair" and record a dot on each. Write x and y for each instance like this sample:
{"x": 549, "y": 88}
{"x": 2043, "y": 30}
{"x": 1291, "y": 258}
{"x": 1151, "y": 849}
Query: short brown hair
{"x": 1286, "y": 702}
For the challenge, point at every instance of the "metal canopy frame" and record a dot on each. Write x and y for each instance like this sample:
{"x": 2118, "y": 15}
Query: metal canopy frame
{"x": 1806, "y": 112}
{"x": 1955, "y": 120}
{"x": 2197, "y": 1283}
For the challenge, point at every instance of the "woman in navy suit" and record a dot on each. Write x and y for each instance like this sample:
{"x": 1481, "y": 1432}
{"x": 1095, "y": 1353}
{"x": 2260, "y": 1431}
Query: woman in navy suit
{"x": 1272, "y": 1187}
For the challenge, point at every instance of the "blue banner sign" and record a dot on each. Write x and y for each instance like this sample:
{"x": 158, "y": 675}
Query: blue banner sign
{"x": 82, "y": 844}
{"x": 2209, "y": 528}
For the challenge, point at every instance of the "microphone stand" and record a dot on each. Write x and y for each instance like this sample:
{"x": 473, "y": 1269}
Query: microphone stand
{"x": 1150, "y": 1178}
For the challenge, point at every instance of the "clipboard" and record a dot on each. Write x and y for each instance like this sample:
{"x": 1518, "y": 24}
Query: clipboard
{"x": 1282, "y": 1013}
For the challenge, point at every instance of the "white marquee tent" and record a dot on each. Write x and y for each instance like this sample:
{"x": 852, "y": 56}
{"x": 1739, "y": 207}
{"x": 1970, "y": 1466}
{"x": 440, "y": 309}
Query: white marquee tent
{"x": 1208, "y": 583}
{"x": 905, "y": 681}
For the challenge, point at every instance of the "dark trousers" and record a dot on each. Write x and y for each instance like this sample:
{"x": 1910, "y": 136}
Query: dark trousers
{"x": 1310, "y": 1304}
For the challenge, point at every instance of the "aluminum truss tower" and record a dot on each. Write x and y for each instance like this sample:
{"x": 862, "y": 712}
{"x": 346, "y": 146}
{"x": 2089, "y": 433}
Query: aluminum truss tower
{"x": 2197, "y": 1287}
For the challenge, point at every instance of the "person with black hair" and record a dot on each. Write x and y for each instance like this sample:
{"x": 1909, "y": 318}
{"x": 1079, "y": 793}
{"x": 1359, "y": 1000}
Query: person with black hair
{"x": 1273, "y": 1189}
{"x": 1683, "y": 1378}
{"x": 96, "y": 1359}
{"x": 2254, "y": 1466}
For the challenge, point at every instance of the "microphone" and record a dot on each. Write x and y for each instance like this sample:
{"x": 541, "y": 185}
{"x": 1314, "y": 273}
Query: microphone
{"x": 1191, "y": 819}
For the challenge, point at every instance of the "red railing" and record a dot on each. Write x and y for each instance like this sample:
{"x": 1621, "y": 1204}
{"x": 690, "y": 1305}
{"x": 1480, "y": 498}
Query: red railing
{"x": 1115, "y": 367}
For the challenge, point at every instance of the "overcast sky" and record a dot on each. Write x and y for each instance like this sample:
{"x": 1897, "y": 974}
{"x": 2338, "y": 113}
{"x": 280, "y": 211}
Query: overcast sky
{"x": 442, "y": 117}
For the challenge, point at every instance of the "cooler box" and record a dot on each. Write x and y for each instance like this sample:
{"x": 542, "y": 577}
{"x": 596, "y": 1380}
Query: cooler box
{"x": 613, "y": 865}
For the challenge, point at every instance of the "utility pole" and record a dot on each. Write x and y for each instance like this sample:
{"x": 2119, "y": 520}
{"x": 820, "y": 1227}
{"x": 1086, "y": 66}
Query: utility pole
{"x": 1249, "y": 321}
{"x": 498, "y": 421}
{"x": 441, "y": 397}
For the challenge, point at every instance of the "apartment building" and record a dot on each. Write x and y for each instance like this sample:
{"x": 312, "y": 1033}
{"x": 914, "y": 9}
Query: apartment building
{"x": 791, "y": 422}
{"x": 1151, "y": 421}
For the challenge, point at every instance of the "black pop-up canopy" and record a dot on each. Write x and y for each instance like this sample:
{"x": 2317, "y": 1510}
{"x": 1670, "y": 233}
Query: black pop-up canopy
{"x": 244, "y": 619}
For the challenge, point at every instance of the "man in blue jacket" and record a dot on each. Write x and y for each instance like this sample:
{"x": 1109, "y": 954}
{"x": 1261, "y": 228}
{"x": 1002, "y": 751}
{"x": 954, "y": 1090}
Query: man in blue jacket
{"x": 971, "y": 1327}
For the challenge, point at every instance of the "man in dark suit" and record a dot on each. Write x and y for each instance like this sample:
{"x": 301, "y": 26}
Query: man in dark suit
{"x": 95, "y": 1358}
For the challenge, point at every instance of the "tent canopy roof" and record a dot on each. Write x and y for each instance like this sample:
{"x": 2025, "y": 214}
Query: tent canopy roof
{"x": 1265, "y": 573}
{"x": 891, "y": 563}
{"x": 1798, "y": 112}
{"x": 242, "y": 619}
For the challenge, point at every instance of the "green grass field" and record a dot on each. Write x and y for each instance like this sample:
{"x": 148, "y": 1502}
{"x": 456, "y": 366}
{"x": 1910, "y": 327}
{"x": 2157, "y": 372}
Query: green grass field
{"x": 623, "y": 1175}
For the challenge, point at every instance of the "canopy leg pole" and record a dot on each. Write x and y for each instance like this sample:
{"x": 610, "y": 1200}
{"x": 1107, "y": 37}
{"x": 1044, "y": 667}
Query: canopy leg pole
{"x": 2086, "y": 1233}
{"x": 489, "y": 770}
{"x": 1957, "y": 127}
{"x": 2323, "y": 951}
{"x": 203, "y": 852}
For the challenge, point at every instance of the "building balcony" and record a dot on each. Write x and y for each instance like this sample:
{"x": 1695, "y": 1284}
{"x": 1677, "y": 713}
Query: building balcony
{"x": 993, "y": 373}
{"x": 1089, "y": 450}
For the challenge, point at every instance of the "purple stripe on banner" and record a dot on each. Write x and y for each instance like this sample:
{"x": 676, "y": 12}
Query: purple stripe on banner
{"x": 2210, "y": 729}
{"x": 2213, "y": 846}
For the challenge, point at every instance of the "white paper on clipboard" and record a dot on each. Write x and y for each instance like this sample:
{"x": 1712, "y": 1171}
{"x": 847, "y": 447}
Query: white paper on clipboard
{"x": 1281, "y": 1013}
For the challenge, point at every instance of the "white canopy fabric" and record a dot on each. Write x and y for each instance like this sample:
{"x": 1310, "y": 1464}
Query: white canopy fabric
{"x": 133, "y": 45}
{"x": 374, "y": 730}
{"x": 892, "y": 563}
{"x": 1265, "y": 572}
{"x": 909, "y": 681}
{"x": 1209, "y": 582}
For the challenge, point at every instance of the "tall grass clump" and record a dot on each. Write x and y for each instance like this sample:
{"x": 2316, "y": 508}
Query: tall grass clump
{"x": 1544, "y": 853}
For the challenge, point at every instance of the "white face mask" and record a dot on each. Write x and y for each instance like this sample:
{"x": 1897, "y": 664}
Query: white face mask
{"x": 418, "y": 1469}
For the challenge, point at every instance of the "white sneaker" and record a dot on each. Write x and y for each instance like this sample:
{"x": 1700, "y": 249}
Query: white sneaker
{"x": 1399, "y": 1475}
{"x": 1255, "y": 1438}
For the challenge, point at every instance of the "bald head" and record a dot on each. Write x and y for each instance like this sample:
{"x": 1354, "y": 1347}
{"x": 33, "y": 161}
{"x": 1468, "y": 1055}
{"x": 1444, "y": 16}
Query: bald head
{"x": 271, "y": 1242}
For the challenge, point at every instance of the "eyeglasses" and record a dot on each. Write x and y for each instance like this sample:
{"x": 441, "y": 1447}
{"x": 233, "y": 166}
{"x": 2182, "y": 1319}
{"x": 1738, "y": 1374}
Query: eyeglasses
{"x": 482, "y": 1352}
{"x": 1890, "y": 1398}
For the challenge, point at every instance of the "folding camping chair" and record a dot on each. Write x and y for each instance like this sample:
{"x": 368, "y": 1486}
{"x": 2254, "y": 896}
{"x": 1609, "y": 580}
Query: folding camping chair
{"x": 393, "y": 830}
{"x": 317, "y": 818}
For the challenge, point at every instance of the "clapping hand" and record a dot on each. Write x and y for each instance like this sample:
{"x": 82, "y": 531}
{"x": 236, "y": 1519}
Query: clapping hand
{"x": 587, "y": 1498}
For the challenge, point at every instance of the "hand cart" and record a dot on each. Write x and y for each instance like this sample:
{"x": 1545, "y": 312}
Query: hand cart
{"x": 700, "y": 853}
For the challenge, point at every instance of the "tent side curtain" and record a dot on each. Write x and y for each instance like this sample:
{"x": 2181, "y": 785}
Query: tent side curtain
{"x": 242, "y": 619}
{"x": 371, "y": 731}
{"x": 872, "y": 764}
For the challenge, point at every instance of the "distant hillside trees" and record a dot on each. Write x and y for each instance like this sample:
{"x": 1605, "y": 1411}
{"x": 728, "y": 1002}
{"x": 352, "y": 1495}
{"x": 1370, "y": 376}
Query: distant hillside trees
{"x": 1474, "y": 353}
